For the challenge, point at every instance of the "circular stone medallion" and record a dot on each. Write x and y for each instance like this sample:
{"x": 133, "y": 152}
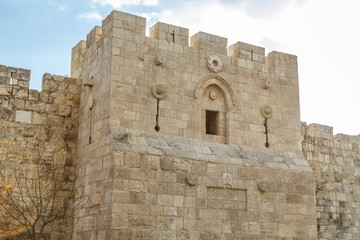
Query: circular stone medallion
{"x": 191, "y": 179}
{"x": 214, "y": 63}
{"x": 263, "y": 186}
{"x": 267, "y": 111}
{"x": 158, "y": 91}
{"x": 212, "y": 95}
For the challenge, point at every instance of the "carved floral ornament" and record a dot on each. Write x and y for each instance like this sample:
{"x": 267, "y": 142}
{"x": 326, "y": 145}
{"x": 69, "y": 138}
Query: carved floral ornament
{"x": 212, "y": 95}
{"x": 158, "y": 91}
{"x": 227, "y": 179}
{"x": 214, "y": 64}
{"x": 267, "y": 111}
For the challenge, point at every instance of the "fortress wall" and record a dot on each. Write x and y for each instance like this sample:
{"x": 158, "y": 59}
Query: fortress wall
{"x": 40, "y": 127}
{"x": 336, "y": 164}
{"x": 169, "y": 187}
{"x": 247, "y": 81}
{"x": 192, "y": 179}
{"x": 91, "y": 63}
{"x": 47, "y": 118}
{"x": 119, "y": 67}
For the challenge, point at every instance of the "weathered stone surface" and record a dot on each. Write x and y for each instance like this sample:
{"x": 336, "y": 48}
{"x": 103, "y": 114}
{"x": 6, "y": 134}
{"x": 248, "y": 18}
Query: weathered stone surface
{"x": 65, "y": 110}
{"x": 335, "y": 160}
{"x": 190, "y": 175}
{"x": 206, "y": 174}
{"x": 33, "y": 127}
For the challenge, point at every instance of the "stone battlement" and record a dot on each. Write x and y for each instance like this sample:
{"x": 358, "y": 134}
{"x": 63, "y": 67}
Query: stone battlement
{"x": 38, "y": 128}
{"x": 59, "y": 95}
{"x": 175, "y": 38}
{"x": 323, "y": 131}
{"x": 335, "y": 161}
{"x": 240, "y": 76}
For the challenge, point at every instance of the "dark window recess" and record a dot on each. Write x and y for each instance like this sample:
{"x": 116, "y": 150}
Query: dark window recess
{"x": 212, "y": 122}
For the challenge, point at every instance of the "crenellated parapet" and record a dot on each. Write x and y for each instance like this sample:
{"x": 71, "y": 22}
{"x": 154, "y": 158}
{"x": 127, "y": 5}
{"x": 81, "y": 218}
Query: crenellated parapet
{"x": 335, "y": 160}
{"x": 178, "y": 132}
{"x": 43, "y": 121}
{"x": 58, "y": 98}
{"x": 168, "y": 33}
{"x": 119, "y": 59}
{"x": 38, "y": 129}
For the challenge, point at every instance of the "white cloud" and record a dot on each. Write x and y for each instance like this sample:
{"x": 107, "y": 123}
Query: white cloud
{"x": 120, "y": 3}
{"x": 93, "y": 15}
{"x": 151, "y": 17}
{"x": 150, "y": 2}
{"x": 321, "y": 33}
{"x": 61, "y": 7}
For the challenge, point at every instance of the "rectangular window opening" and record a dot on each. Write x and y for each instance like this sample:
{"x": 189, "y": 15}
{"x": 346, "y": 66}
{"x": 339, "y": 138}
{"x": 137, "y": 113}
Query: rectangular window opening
{"x": 11, "y": 78}
{"x": 212, "y": 122}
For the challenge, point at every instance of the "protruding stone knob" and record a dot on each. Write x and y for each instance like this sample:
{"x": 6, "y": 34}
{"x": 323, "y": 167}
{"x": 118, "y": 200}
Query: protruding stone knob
{"x": 262, "y": 185}
{"x": 159, "y": 60}
{"x": 191, "y": 179}
{"x": 212, "y": 95}
{"x": 158, "y": 91}
{"x": 266, "y": 111}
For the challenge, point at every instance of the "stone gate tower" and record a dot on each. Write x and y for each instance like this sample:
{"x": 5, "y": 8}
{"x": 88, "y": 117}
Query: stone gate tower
{"x": 188, "y": 142}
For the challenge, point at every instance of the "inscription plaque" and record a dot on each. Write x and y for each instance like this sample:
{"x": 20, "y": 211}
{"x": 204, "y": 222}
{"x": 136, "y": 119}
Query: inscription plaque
{"x": 225, "y": 198}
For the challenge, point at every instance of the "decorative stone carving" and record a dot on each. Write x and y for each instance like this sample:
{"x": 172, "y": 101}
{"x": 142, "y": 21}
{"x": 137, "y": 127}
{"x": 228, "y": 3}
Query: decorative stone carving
{"x": 262, "y": 185}
{"x": 158, "y": 92}
{"x": 159, "y": 60}
{"x": 214, "y": 63}
{"x": 191, "y": 179}
{"x": 227, "y": 179}
{"x": 221, "y": 83}
{"x": 212, "y": 95}
{"x": 227, "y": 198}
{"x": 183, "y": 236}
{"x": 267, "y": 111}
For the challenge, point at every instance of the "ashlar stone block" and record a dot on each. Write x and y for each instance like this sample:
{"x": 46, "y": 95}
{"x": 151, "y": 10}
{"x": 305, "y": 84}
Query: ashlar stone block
{"x": 23, "y": 116}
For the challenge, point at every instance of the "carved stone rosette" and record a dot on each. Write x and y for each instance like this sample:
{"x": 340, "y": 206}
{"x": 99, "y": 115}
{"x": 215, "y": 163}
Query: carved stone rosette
{"x": 212, "y": 95}
{"x": 267, "y": 111}
{"x": 191, "y": 179}
{"x": 158, "y": 91}
{"x": 214, "y": 64}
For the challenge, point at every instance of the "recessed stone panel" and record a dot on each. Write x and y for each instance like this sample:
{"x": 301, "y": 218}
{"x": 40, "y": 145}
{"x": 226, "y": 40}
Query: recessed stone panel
{"x": 225, "y": 198}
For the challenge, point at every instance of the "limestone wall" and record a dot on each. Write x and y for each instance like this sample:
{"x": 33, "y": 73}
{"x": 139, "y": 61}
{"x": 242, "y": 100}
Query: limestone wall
{"x": 244, "y": 79}
{"x": 169, "y": 140}
{"x": 91, "y": 62}
{"x": 180, "y": 188}
{"x": 336, "y": 164}
{"x": 43, "y": 125}
{"x": 133, "y": 190}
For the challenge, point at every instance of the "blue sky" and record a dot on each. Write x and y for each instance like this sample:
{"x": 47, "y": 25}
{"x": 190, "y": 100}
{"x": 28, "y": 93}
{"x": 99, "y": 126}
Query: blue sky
{"x": 39, "y": 35}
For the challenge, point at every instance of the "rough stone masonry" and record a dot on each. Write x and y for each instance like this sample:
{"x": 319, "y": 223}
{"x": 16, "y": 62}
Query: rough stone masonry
{"x": 172, "y": 141}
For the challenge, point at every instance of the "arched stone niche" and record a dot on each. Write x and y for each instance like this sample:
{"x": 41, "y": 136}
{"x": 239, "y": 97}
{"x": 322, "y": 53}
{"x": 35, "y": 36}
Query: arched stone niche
{"x": 216, "y": 100}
